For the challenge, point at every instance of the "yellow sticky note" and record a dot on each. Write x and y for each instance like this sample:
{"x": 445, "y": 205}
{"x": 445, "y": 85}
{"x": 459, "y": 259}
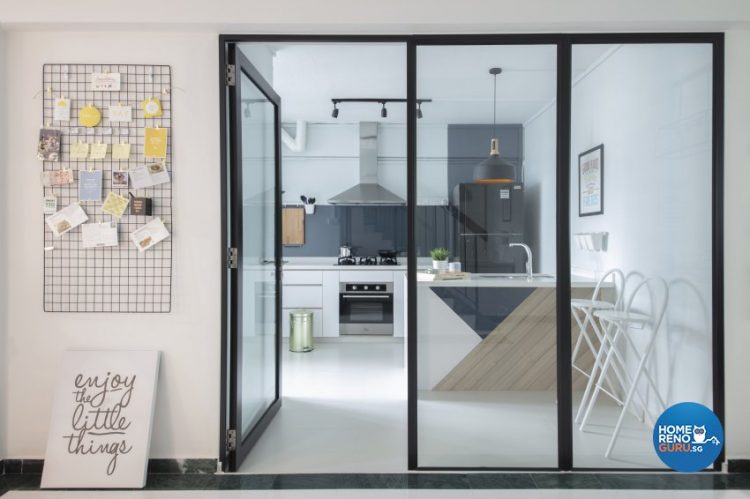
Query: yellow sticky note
{"x": 121, "y": 151}
{"x": 155, "y": 143}
{"x": 99, "y": 151}
{"x": 151, "y": 108}
{"x": 89, "y": 116}
{"x": 115, "y": 204}
{"x": 79, "y": 151}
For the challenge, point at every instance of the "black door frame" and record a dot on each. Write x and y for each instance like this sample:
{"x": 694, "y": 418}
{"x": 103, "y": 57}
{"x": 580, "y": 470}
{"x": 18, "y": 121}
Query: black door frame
{"x": 231, "y": 191}
{"x": 564, "y": 43}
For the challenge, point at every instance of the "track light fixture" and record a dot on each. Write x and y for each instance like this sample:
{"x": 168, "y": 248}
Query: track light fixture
{"x": 382, "y": 102}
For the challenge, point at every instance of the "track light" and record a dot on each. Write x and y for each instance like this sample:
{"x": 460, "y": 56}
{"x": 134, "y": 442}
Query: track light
{"x": 380, "y": 100}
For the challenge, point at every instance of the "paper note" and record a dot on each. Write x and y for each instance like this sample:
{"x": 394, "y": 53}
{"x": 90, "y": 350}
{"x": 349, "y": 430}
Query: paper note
{"x": 79, "y": 150}
{"x": 141, "y": 206}
{"x": 147, "y": 176}
{"x": 61, "y": 109}
{"x": 50, "y": 204}
{"x": 66, "y": 219}
{"x": 151, "y": 108}
{"x": 99, "y": 151}
{"x": 105, "y": 81}
{"x": 48, "y": 148}
{"x": 121, "y": 151}
{"x": 90, "y": 185}
{"x": 120, "y": 114}
{"x": 115, "y": 204}
{"x": 119, "y": 179}
{"x": 155, "y": 143}
{"x": 148, "y": 235}
{"x": 57, "y": 177}
{"x": 98, "y": 235}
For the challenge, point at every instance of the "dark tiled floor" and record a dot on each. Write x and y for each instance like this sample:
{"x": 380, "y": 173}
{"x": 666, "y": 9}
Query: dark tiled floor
{"x": 649, "y": 481}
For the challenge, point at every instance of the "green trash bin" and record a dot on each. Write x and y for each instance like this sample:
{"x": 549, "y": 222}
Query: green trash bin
{"x": 301, "y": 331}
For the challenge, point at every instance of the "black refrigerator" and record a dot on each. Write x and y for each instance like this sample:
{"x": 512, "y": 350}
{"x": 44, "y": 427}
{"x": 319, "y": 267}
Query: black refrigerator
{"x": 488, "y": 218}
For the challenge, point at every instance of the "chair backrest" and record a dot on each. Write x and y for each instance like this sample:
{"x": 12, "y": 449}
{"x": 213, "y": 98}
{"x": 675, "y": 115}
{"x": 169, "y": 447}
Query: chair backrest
{"x": 658, "y": 293}
{"x": 617, "y": 275}
{"x": 632, "y": 279}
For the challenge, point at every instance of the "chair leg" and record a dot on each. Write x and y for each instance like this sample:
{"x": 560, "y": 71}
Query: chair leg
{"x": 631, "y": 393}
{"x": 597, "y": 388}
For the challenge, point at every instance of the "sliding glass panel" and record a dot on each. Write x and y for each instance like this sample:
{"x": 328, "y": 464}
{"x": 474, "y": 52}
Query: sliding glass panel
{"x": 640, "y": 217}
{"x": 486, "y": 338}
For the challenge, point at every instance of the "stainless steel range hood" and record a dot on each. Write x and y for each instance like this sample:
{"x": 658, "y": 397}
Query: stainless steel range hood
{"x": 367, "y": 191}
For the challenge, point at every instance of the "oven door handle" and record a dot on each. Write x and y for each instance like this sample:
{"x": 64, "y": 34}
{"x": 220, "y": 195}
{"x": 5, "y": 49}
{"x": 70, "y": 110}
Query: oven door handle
{"x": 381, "y": 297}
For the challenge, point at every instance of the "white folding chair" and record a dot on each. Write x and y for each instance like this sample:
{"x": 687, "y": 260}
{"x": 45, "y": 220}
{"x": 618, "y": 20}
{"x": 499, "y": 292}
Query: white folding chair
{"x": 582, "y": 310}
{"x": 622, "y": 323}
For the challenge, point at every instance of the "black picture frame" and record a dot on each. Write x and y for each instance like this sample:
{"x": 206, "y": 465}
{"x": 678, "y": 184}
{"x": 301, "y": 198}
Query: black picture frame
{"x": 594, "y": 153}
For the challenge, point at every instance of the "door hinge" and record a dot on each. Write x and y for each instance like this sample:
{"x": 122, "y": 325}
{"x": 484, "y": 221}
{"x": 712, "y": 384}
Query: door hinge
{"x": 231, "y": 74}
{"x": 231, "y": 440}
{"x": 232, "y": 257}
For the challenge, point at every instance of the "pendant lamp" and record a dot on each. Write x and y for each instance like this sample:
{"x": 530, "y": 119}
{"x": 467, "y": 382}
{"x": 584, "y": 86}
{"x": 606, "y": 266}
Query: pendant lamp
{"x": 494, "y": 170}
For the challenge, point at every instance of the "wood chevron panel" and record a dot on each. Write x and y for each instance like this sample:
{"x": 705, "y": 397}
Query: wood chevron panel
{"x": 521, "y": 352}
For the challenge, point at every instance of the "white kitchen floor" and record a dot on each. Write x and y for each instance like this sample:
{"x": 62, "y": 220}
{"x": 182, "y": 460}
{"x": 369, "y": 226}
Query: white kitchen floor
{"x": 344, "y": 411}
{"x": 389, "y": 494}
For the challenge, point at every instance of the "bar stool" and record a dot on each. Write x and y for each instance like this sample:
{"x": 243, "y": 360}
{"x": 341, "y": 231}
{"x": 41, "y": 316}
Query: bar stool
{"x": 622, "y": 323}
{"x": 582, "y": 311}
{"x": 618, "y": 362}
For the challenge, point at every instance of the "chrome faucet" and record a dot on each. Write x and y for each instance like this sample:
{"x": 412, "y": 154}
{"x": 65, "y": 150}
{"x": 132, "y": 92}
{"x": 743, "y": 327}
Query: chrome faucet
{"x": 529, "y": 260}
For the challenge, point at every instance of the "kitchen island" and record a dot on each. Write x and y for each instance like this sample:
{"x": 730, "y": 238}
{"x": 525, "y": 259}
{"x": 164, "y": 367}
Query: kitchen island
{"x": 492, "y": 332}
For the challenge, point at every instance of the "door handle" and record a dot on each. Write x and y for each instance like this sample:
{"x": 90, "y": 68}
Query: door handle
{"x": 380, "y": 297}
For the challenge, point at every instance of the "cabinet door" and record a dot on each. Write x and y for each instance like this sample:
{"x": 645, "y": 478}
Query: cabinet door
{"x": 399, "y": 303}
{"x": 331, "y": 303}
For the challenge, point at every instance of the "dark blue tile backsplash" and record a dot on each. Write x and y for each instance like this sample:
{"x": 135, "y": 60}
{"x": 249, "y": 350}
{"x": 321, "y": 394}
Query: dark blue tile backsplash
{"x": 368, "y": 229}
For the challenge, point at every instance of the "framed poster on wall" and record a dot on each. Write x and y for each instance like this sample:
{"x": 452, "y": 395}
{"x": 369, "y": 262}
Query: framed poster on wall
{"x": 591, "y": 182}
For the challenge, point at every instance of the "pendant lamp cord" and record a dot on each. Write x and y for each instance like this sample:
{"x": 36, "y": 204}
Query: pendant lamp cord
{"x": 494, "y": 110}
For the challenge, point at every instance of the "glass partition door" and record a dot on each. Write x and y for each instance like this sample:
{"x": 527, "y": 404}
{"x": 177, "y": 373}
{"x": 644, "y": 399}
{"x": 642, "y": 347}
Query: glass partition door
{"x": 254, "y": 259}
{"x": 641, "y": 220}
{"x": 485, "y": 193}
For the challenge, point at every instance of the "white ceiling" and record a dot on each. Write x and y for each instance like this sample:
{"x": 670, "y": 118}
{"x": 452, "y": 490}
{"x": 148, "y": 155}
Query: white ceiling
{"x": 456, "y": 78}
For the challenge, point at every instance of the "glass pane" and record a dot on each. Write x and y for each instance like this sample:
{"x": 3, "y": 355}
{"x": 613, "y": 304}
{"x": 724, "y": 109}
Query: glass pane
{"x": 258, "y": 284}
{"x": 640, "y": 212}
{"x": 486, "y": 343}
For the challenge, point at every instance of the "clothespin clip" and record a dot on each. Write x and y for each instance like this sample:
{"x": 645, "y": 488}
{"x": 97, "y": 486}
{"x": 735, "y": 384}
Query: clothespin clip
{"x": 49, "y": 248}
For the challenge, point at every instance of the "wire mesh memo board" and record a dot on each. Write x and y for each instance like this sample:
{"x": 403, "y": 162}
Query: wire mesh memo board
{"x": 116, "y": 278}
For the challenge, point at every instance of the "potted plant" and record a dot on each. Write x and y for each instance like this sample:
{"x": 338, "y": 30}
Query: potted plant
{"x": 440, "y": 258}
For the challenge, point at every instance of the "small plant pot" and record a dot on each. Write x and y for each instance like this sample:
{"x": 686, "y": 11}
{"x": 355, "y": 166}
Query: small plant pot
{"x": 440, "y": 265}
{"x": 309, "y": 209}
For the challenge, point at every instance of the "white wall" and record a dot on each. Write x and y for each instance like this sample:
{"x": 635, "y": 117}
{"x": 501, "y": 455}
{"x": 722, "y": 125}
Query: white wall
{"x": 736, "y": 242}
{"x": 3, "y": 256}
{"x": 187, "y": 411}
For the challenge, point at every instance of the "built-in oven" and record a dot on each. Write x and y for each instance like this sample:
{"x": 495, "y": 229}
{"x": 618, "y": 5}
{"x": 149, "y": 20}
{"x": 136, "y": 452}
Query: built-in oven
{"x": 366, "y": 308}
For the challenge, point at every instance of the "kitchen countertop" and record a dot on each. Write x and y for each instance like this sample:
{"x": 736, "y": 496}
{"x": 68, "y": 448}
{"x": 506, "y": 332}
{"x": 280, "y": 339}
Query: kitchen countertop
{"x": 509, "y": 281}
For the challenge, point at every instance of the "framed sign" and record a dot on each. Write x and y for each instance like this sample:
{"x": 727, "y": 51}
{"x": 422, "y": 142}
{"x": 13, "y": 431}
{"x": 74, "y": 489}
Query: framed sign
{"x": 591, "y": 182}
{"x": 100, "y": 431}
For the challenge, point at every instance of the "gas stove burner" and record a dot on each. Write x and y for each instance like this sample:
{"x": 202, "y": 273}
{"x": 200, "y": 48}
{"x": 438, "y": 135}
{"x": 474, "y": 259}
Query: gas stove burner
{"x": 368, "y": 260}
{"x": 347, "y": 260}
{"x": 388, "y": 260}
